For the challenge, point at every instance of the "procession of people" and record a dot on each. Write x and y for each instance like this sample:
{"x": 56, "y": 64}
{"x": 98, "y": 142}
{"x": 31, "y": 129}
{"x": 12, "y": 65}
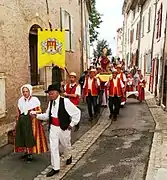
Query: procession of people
{"x": 105, "y": 85}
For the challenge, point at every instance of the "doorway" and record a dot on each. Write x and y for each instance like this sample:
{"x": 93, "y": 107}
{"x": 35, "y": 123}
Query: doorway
{"x": 56, "y": 75}
{"x": 33, "y": 54}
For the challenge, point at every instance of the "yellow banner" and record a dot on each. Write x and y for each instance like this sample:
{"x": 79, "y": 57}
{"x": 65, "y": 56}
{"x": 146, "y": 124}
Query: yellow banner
{"x": 51, "y": 48}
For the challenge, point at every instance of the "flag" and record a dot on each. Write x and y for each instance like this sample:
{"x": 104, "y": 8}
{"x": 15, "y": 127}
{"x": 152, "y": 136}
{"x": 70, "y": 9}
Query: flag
{"x": 51, "y": 48}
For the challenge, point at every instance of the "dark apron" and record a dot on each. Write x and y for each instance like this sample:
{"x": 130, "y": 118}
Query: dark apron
{"x": 24, "y": 132}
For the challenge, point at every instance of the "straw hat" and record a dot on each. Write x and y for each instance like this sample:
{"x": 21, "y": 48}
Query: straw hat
{"x": 73, "y": 74}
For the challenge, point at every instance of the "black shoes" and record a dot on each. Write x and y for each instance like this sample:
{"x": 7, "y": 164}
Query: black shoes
{"x": 114, "y": 118}
{"x": 111, "y": 116}
{"x": 24, "y": 157}
{"x": 29, "y": 157}
{"x": 52, "y": 173}
{"x": 69, "y": 161}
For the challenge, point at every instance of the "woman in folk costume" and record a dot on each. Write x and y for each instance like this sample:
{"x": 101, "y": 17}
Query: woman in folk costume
{"x": 29, "y": 136}
{"x": 140, "y": 87}
{"x": 130, "y": 83}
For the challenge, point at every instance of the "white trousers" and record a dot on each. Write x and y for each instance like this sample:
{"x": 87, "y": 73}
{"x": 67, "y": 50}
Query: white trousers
{"x": 59, "y": 137}
{"x": 104, "y": 100}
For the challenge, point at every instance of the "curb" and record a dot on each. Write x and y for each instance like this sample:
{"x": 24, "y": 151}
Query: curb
{"x": 80, "y": 147}
{"x": 157, "y": 158}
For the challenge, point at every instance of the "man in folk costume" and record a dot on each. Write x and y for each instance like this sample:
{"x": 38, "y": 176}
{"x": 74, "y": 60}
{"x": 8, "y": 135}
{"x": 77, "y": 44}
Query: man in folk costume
{"x": 29, "y": 134}
{"x": 73, "y": 92}
{"x": 140, "y": 88}
{"x": 62, "y": 115}
{"x": 115, "y": 87}
{"x": 91, "y": 88}
{"x": 122, "y": 76}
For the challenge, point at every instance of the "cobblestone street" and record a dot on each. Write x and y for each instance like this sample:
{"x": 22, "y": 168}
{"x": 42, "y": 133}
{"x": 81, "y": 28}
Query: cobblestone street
{"x": 13, "y": 168}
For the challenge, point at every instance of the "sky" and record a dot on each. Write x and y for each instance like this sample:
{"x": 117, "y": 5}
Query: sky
{"x": 112, "y": 20}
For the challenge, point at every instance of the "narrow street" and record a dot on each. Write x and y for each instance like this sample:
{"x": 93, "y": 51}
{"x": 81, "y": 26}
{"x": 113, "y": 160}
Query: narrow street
{"x": 13, "y": 168}
{"x": 122, "y": 151}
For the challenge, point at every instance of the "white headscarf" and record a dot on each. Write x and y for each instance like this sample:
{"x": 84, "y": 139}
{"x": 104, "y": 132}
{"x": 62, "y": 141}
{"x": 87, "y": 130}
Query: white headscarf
{"x": 28, "y": 86}
{"x": 27, "y": 104}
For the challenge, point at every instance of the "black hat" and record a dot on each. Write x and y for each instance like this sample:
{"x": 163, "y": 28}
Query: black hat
{"x": 54, "y": 87}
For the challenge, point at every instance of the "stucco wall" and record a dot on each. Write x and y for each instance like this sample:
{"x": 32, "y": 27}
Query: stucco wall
{"x": 16, "y": 19}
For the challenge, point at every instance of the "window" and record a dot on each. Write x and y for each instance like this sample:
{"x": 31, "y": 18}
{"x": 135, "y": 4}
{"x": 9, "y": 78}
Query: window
{"x": 148, "y": 63}
{"x": 149, "y": 19}
{"x": 131, "y": 36}
{"x": 67, "y": 24}
{"x": 134, "y": 14}
{"x": 137, "y": 31}
{"x": 159, "y": 22}
{"x": 128, "y": 36}
{"x": 2, "y": 96}
{"x": 143, "y": 21}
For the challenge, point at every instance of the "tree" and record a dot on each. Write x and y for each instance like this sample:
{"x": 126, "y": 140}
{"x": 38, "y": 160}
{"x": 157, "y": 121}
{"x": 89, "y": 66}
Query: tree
{"x": 95, "y": 21}
{"x": 101, "y": 44}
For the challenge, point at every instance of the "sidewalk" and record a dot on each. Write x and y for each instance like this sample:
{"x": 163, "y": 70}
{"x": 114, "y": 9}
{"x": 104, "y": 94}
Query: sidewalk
{"x": 157, "y": 167}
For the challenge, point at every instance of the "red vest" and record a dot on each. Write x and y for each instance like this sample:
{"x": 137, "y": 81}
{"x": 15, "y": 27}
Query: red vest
{"x": 115, "y": 90}
{"x": 94, "y": 91}
{"x": 69, "y": 90}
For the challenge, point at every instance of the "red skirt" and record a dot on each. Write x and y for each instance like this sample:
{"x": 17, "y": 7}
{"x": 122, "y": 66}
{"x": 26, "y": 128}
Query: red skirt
{"x": 141, "y": 95}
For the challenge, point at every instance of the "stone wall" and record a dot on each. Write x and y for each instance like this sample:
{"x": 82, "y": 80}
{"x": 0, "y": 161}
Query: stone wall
{"x": 16, "y": 19}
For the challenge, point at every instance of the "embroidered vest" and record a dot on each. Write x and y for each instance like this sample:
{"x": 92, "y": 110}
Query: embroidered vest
{"x": 94, "y": 91}
{"x": 69, "y": 90}
{"x": 63, "y": 116}
{"x": 115, "y": 90}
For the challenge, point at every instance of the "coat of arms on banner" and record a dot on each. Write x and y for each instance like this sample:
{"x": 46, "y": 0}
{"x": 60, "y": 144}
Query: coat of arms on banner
{"x": 51, "y": 46}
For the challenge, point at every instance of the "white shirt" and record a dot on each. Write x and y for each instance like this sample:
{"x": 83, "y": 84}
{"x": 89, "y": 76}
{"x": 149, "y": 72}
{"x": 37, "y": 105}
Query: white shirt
{"x": 90, "y": 80}
{"x": 115, "y": 82}
{"x": 77, "y": 91}
{"x": 124, "y": 77}
{"x": 71, "y": 109}
{"x": 25, "y": 105}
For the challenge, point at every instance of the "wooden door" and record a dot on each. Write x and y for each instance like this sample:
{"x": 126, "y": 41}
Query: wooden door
{"x": 33, "y": 59}
{"x": 56, "y": 75}
{"x": 165, "y": 87}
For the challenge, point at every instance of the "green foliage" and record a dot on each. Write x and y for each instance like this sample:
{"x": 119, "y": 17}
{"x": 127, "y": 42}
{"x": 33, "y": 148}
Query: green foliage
{"x": 95, "y": 21}
{"x": 101, "y": 44}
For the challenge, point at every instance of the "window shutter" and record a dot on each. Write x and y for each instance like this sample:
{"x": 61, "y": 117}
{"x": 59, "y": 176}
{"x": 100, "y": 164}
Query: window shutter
{"x": 157, "y": 36}
{"x": 72, "y": 34}
{"x": 61, "y": 19}
{"x": 160, "y": 20}
{"x": 2, "y": 95}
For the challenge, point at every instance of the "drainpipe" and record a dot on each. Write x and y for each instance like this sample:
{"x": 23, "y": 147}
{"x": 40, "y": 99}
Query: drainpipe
{"x": 139, "y": 38}
{"x": 153, "y": 37}
{"x": 152, "y": 44}
{"x": 163, "y": 66}
{"x": 82, "y": 39}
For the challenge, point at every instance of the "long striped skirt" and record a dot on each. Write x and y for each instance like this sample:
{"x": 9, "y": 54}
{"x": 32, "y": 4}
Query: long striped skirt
{"x": 30, "y": 136}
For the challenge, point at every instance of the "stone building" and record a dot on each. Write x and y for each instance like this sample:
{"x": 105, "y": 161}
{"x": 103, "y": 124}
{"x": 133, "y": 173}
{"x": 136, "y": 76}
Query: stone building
{"x": 119, "y": 38}
{"x": 19, "y": 21}
{"x": 147, "y": 37}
